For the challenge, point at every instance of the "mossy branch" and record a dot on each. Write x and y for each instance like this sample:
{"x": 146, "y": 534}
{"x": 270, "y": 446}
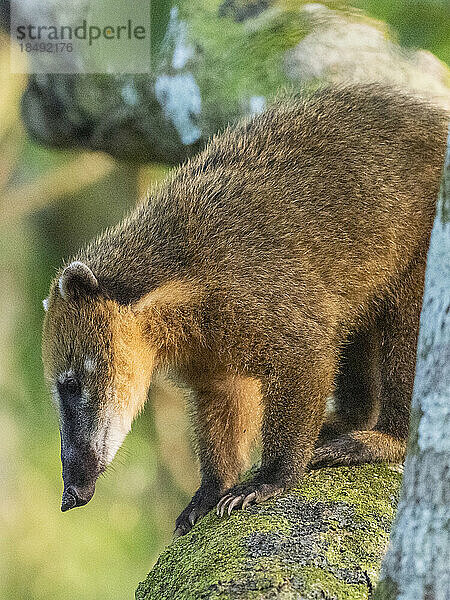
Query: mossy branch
{"x": 324, "y": 539}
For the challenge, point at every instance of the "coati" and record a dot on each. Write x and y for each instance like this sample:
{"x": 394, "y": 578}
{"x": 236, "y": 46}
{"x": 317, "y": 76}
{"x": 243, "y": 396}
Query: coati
{"x": 283, "y": 264}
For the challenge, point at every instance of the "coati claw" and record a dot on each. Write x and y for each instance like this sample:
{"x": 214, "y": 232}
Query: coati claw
{"x": 243, "y": 495}
{"x": 203, "y": 501}
{"x": 224, "y": 505}
{"x": 221, "y": 504}
{"x": 248, "y": 500}
{"x": 187, "y": 520}
{"x": 234, "y": 503}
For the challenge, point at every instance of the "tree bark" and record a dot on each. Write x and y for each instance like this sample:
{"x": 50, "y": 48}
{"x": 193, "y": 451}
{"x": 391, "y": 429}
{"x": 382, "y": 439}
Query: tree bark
{"x": 417, "y": 565}
{"x": 212, "y": 63}
{"x": 324, "y": 539}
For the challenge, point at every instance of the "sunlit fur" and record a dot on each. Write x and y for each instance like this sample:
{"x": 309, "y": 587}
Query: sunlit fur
{"x": 228, "y": 410}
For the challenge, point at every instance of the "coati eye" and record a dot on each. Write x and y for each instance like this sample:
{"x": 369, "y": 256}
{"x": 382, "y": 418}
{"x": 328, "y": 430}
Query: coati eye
{"x": 70, "y": 386}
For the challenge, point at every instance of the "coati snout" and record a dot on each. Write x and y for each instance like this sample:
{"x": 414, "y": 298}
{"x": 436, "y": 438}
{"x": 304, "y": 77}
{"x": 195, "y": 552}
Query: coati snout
{"x": 81, "y": 466}
{"x": 282, "y": 265}
{"x": 83, "y": 440}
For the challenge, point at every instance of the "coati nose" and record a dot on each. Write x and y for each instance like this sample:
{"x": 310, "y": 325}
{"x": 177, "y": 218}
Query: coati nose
{"x": 75, "y": 496}
{"x": 69, "y": 500}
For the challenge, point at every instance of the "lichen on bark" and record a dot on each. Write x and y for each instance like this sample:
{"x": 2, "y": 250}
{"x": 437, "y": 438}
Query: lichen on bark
{"x": 323, "y": 539}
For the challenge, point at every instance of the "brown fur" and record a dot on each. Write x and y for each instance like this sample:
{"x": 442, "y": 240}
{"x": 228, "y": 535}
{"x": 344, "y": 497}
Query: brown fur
{"x": 227, "y": 419}
{"x": 173, "y": 293}
{"x": 284, "y": 263}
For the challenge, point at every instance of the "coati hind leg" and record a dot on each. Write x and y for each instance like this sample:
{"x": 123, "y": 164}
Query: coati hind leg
{"x": 294, "y": 402}
{"x": 226, "y": 418}
{"x": 358, "y": 385}
{"x": 399, "y": 325}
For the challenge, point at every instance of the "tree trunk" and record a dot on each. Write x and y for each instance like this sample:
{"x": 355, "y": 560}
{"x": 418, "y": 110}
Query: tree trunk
{"x": 417, "y": 565}
{"x": 324, "y": 539}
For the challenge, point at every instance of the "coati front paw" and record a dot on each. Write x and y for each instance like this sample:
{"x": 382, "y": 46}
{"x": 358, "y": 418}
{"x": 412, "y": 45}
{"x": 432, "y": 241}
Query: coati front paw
{"x": 203, "y": 501}
{"x": 250, "y": 492}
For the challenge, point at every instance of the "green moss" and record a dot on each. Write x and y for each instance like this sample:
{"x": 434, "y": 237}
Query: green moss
{"x": 372, "y": 489}
{"x": 386, "y": 590}
{"x": 324, "y": 539}
{"x": 238, "y": 60}
{"x": 218, "y": 549}
{"x": 320, "y": 581}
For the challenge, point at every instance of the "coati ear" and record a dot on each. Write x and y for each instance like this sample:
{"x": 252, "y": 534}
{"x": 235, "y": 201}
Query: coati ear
{"x": 77, "y": 279}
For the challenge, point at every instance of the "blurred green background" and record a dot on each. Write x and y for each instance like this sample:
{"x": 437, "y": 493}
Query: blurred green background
{"x": 52, "y": 202}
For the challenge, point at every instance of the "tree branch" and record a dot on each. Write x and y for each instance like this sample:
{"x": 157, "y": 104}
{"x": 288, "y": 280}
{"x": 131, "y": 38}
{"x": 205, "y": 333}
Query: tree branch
{"x": 324, "y": 539}
{"x": 217, "y": 62}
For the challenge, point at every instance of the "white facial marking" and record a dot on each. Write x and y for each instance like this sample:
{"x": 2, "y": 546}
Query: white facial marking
{"x": 116, "y": 434}
{"x": 45, "y": 304}
{"x": 65, "y": 375}
{"x": 112, "y": 430}
{"x": 110, "y": 436}
{"x": 60, "y": 287}
{"x": 90, "y": 364}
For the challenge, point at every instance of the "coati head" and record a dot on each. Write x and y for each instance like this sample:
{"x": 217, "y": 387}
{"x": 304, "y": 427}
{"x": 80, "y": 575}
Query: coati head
{"x": 98, "y": 365}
